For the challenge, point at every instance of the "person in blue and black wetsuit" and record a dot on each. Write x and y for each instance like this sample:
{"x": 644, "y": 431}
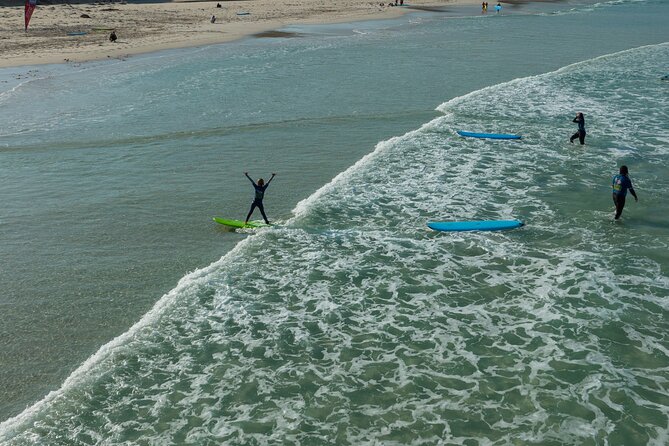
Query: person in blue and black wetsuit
{"x": 260, "y": 187}
{"x": 580, "y": 134}
{"x": 621, "y": 184}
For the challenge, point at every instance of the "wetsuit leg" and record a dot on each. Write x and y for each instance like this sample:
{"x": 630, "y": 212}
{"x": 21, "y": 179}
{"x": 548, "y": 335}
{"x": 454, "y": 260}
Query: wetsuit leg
{"x": 253, "y": 206}
{"x": 574, "y": 136}
{"x": 581, "y": 137}
{"x": 262, "y": 211}
{"x": 619, "y": 201}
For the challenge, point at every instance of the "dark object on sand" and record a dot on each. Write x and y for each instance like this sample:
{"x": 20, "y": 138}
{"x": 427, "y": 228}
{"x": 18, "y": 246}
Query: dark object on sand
{"x": 112, "y": 36}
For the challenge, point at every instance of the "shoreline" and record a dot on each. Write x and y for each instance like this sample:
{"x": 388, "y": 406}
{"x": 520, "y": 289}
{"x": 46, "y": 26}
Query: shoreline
{"x": 79, "y": 32}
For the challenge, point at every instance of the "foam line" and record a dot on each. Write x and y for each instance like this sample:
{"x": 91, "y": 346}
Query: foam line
{"x": 444, "y": 108}
{"x": 83, "y": 372}
{"x": 87, "y": 370}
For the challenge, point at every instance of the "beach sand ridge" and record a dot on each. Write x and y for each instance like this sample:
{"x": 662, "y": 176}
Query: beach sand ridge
{"x": 79, "y": 31}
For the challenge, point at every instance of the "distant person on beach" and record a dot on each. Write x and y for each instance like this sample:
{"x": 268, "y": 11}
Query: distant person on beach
{"x": 621, "y": 184}
{"x": 498, "y": 8}
{"x": 218, "y": 5}
{"x": 260, "y": 187}
{"x": 213, "y": 19}
{"x": 580, "y": 133}
{"x": 484, "y": 8}
{"x": 112, "y": 36}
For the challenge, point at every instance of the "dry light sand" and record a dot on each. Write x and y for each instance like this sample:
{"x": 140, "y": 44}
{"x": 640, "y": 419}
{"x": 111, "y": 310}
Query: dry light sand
{"x": 147, "y": 27}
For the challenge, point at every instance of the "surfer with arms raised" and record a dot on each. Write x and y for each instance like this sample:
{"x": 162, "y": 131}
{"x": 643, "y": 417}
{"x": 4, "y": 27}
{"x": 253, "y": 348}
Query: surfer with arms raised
{"x": 621, "y": 184}
{"x": 260, "y": 187}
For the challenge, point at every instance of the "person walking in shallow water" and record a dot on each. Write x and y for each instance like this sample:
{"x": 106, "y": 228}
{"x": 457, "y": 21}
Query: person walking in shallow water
{"x": 621, "y": 184}
{"x": 259, "y": 187}
{"x": 580, "y": 133}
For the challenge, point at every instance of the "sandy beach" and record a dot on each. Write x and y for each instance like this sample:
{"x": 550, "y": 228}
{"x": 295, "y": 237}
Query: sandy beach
{"x": 79, "y": 31}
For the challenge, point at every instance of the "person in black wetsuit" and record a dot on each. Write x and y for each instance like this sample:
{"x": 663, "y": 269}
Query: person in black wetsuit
{"x": 621, "y": 184}
{"x": 260, "y": 194}
{"x": 580, "y": 134}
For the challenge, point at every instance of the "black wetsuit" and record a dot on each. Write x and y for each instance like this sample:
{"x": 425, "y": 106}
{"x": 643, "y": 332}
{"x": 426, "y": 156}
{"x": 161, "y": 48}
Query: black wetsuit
{"x": 621, "y": 184}
{"x": 257, "y": 201}
{"x": 580, "y": 134}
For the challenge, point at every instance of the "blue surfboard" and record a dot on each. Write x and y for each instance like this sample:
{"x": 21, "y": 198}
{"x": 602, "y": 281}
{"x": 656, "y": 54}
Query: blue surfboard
{"x": 488, "y": 135}
{"x": 479, "y": 225}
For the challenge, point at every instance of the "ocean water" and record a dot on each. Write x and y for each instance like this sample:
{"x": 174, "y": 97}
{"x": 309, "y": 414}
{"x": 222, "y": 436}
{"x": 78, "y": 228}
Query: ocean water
{"x": 349, "y": 322}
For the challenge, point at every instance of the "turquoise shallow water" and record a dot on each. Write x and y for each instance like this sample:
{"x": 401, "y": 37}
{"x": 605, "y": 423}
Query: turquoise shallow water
{"x": 351, "y": 322}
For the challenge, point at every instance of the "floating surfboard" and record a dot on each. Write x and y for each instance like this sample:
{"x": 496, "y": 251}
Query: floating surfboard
{"x": 488, "y": 135}
{"x": 239, "y": 223}
{"x": 479, "y": 225}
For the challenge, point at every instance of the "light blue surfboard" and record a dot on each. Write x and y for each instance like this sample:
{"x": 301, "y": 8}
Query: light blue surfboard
{"x": 479, "y": 225}
{"x": 488, "y": 135}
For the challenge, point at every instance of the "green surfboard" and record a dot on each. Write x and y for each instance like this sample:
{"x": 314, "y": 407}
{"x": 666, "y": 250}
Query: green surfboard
{"x": 239, "y": 223}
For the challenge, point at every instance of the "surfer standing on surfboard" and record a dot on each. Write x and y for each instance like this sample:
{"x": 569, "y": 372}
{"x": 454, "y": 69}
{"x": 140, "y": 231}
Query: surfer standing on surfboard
{"x": 260, "y": 187}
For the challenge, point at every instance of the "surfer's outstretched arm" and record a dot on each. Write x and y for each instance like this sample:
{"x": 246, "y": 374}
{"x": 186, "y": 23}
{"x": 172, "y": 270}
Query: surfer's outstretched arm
{"x": 271, "y": 178}
{"x": 250, "y": 179}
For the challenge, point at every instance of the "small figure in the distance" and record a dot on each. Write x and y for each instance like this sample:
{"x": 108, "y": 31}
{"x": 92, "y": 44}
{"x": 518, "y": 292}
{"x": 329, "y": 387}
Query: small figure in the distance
{"x": 580, "y": 133}
{"x": 213, "y": 19}
{"x": 112, "y": 36}
{"x": 259, "y": 187}
{"x": 621, "y": 184}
